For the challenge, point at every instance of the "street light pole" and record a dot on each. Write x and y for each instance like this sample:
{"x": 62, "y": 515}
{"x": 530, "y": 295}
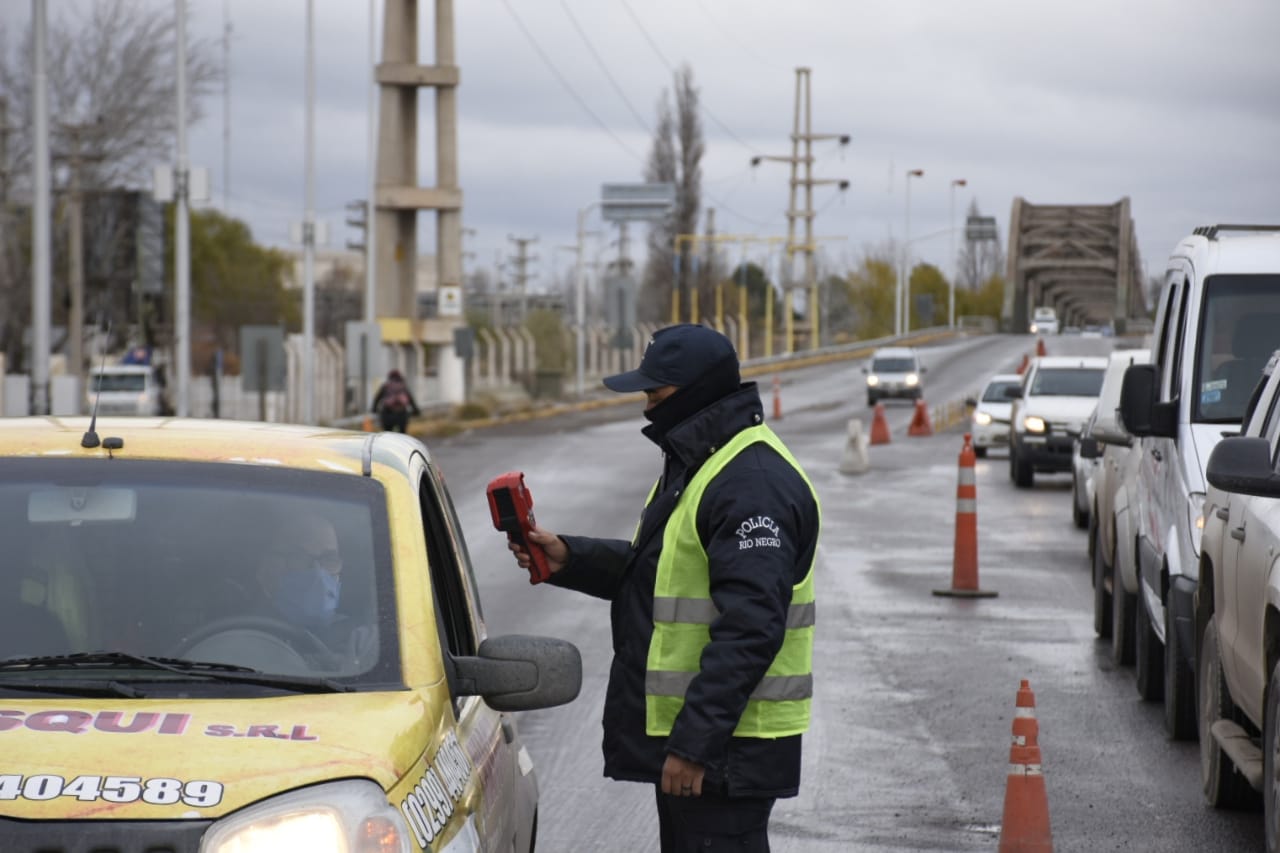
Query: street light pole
{"x": 903, "y": 324}
{"x": 951, "y": 311}
{"x": 580, "y": 296}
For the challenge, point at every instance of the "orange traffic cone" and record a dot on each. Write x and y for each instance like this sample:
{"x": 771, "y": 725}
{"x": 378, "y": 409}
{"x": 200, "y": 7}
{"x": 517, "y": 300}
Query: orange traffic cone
{"x": 879, "y": 426}
{"x": 964, "y": 565}
{"x": 1040, "y": 350}
{"x": 920, "y": 423}
{"x": 1026, "y": 360}
{"x": 777, "y": 398}
{"x": 1025, "y": 828}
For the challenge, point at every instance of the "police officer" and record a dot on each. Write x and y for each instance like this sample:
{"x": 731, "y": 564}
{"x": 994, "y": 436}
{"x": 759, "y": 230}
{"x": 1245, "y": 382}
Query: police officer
{"x": 712, "y": 602}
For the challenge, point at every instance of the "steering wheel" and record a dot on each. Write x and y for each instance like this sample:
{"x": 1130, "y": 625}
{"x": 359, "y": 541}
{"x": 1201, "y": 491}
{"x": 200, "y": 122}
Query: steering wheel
{"x": 296, "y": 637}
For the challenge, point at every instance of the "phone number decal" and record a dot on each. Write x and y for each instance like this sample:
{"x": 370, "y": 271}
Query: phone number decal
{"x": 113, "y": 789}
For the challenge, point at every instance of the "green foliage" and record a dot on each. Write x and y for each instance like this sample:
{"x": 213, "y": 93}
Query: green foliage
{"x": 548, "y": 330}
{"x": 986, "y": 301}
{"x": 471, "y": 411}
{"x": 928, "y": 280}
{"x": 234, "y": 281}
{"x": 870, "y": 290}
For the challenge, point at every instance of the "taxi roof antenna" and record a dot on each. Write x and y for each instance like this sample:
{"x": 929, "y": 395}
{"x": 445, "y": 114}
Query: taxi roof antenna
{"x": 90, "y": 438}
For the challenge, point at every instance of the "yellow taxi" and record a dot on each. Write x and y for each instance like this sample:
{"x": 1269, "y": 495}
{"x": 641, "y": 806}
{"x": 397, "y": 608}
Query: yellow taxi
{"x": 244, "y": 637}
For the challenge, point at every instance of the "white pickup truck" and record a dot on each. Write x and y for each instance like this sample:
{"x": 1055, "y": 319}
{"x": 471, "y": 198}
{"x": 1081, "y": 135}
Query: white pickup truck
{"x": 1057, "y": 395}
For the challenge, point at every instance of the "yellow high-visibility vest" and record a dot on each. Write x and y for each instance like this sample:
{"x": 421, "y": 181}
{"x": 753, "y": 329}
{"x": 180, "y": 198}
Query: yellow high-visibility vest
{"x": 683, "y": 612}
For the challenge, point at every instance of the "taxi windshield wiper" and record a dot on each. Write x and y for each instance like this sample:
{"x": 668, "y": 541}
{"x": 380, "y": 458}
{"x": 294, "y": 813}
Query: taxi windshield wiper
{"x": 179, "y": 666}
{"x": 75, "y": 688}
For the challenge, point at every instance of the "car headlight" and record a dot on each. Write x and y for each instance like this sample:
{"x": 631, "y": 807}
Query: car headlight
{"x": 1195, "y": 519}
{"x": 981, "y": 418}
{"x": 1034, "y": 423}
{"x": 339, "y": 817}
{"x": 1034, "y": 328}
{"x": 912, "y": 380}
{"x": 873, "y": 380}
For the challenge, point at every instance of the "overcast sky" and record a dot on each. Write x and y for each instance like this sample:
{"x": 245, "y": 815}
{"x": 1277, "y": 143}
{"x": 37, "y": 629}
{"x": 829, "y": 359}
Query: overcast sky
{"x": 1173, "y": 103}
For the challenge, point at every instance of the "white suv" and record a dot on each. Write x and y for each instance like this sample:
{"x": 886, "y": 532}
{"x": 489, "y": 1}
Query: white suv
{"x": 894, "y": 372}
{"x": 1106, "y": 440}
{"x": 1049, "y": 411}
{"x": 1217, "y": 323}
{"x": 1237, "y": 610}
{"x": 1044, "y": 321}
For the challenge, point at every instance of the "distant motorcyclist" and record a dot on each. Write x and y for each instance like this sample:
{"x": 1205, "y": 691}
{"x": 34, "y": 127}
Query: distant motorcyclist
{"x": 393, "y": 403}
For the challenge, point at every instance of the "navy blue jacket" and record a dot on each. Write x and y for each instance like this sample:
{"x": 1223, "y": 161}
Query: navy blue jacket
{"x": 750, "y": 588}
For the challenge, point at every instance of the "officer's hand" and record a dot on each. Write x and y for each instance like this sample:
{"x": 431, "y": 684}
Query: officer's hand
{"x": 681, "y": 777}
{"x": 557, "y": 552}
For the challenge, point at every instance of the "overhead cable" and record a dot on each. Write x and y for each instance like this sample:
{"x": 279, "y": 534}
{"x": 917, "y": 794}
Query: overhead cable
{"x": 604, "y": 68}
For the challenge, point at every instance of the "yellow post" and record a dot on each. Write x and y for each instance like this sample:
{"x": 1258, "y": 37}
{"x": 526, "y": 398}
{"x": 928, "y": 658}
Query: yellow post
{"x": 814, "y": 315}
{"x": 720, "y": 305}
{"x": 693, "y": 302}
{"x": 743, "y": 340}
{"x": 768, "y": 321}
{"x": 787, "y": 321}
{"x": 675, "y": 303}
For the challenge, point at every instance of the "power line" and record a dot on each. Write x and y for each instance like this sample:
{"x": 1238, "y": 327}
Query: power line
{"x": 604, "y": 68}
{"x": 565, "y": 83}
{"x": 671, "y": 68}
{"x": 731, "y": 36}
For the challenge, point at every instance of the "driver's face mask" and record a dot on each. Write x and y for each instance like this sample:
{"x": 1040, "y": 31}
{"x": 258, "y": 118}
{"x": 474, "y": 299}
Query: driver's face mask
{"x": 308, "y": 597}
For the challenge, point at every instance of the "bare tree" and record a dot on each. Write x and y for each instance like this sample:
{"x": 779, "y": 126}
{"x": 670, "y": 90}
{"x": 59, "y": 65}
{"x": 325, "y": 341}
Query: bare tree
{"x": 676, "y": 157}
{"x": 112, "y": 98}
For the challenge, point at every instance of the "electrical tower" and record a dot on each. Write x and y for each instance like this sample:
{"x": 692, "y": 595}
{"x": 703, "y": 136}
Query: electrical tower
{"x": 802, "y": 139}
{"x": 521, "y": 261}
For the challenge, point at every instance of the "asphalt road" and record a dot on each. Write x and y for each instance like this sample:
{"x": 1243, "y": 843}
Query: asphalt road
{"x": 915, "y": 696}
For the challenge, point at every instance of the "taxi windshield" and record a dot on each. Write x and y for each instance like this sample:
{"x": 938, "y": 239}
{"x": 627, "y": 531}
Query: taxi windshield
{"x": 893, "y": 365}
{"x": 998, "y": 392}
{"x": 107, "y": 382}
{"x": 279, "y": 571}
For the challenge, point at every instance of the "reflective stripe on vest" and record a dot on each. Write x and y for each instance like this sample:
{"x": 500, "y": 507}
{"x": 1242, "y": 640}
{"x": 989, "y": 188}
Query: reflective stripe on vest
{"x": 683, "y": 613}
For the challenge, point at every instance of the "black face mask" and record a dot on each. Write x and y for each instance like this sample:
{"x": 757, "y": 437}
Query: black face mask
{"x": 715, "y": 383}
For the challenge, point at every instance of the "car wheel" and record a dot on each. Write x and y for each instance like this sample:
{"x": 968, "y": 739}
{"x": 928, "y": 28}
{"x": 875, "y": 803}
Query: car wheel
{"x": 1122, "y": 620}
{"x": 980, "y": 452}
{"x": 871, "y": 399}
{"x": 1079, "y": 515}
{"x": 1179, "y": 685}
{"x": 1102, "y": 621}
{"x": 1023, "y": 476}
{"x": 1224, "y": 787}
{"x": 1270, "y": 762}
{"x": 1147, "y": 652}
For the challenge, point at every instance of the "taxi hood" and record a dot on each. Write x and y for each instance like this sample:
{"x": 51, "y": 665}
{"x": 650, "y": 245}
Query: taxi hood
{"x": 171, "y": 758}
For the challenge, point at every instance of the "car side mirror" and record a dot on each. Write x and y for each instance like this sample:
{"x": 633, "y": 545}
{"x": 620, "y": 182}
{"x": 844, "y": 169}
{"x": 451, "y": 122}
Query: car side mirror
{"x": 970, "y": 402}
{"x": 1140, "y": 409}
{"x": 864, "y": 368}
{"x": 1242, "y": 464}
{"x": 521, "y": 673}
{"x": 1089, "y": 448}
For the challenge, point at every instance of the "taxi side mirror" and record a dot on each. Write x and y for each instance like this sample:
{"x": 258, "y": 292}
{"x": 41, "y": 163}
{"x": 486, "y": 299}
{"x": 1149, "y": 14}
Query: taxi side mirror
{"x": 518, "y": 672}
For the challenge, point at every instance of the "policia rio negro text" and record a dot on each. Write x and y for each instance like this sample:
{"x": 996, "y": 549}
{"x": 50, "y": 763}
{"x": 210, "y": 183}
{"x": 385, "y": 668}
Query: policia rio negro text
{"x": 712, "y": 602}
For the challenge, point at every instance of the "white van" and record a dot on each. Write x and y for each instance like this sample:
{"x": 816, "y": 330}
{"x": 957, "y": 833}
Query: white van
{"x": 128, "y": 389}
{"x": 894, "y": 372}
{"x": 1044, "y": 321}
{"x": 1217, "y": 323}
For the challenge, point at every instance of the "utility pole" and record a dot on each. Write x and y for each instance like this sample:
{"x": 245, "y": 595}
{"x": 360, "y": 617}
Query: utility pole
{"x": 802, "y": 134}
{"x": 41, "y": 243}
{"x": 521, "y": 261}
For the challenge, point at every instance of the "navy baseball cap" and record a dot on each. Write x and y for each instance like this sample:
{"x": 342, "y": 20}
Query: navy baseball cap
{"x": 675, "y": 355}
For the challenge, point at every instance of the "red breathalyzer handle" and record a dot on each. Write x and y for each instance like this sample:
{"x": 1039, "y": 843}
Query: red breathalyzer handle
{"x": 512, "y": 508}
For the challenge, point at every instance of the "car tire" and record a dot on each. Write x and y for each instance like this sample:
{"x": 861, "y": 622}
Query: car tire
{"x": 1179, "y": 685}
{"x": 1122, "y": 620}
{"x": 980, "y": 452}
{"x": 1023, "y": 476}
{"x": 1102, "y": 621}
{"x": 1224, "y": 787}
{"x": 1148, "y": 653}
{"x": 871, "y": 400}
{"x": 1080, "y": 517}
{"x": 1270, "y": 746}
